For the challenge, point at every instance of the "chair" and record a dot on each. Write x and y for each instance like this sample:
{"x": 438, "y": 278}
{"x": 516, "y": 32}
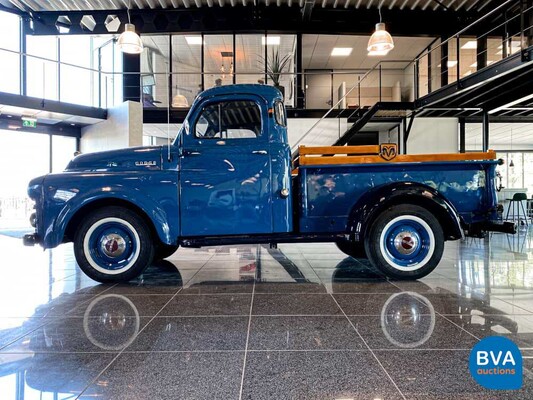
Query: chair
{"x": 517, "y": 199}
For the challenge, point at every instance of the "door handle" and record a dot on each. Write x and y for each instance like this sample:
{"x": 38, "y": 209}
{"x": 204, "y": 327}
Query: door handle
{"x": 190, "y": 153}
{"x": 260, "y": 152}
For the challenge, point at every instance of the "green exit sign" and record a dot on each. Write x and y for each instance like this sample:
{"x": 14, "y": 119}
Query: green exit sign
{"x": 29, "y": 123}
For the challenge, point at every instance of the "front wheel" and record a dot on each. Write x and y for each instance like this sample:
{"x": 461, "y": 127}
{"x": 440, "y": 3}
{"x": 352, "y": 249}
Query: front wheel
{"x": 113, "y": 244}
{"x": 405, "y": 242}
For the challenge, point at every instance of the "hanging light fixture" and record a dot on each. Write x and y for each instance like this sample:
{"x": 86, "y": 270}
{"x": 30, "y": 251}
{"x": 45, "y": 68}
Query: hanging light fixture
{"x": 129, "y": 42}
{"x": 381, "y": 41}
{"x": 511, "y": 164}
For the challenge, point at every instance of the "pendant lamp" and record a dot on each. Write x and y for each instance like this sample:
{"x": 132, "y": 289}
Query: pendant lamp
{"x": 129, "y": 42}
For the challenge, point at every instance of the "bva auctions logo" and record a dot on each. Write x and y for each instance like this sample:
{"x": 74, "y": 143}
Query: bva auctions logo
{"x": 388, "y": 151}
{"x": 496, "y": 363}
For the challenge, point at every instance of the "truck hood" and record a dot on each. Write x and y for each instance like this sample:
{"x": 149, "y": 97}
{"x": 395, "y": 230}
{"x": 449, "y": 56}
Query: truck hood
{"x": 130, "y": 159}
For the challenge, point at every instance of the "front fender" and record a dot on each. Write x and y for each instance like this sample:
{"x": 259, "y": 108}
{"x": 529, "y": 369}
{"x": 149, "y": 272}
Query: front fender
{"x": 56, "y": 227}
{"x": 376, "y": 200}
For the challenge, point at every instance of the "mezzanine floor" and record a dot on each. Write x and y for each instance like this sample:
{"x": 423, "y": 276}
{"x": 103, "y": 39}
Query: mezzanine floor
{"x": 301, "y": 322}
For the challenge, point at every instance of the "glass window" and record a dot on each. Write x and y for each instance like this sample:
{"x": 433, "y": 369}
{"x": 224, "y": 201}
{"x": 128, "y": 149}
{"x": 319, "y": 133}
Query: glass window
{"x": 229, "y": 120}
{"x": 154, "y": 70}
{"x": 279, "y": 112}
{"x": 106, "y": 57}
{"x": 281, "y": 64}
{"x": 10, "y": 64}
{"x": 41, "y": 76}
{"x": 250, "y": 57}
{"x": 218, "y": 60}
{"x": 186, "y": 69}
{"x": 75, "y": 82}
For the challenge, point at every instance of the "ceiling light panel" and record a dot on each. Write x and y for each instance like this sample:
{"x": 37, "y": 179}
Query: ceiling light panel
{"x": 341, "y": 51}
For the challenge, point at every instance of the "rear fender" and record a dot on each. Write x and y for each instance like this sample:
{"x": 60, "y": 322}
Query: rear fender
{"x": 378, "y": 199}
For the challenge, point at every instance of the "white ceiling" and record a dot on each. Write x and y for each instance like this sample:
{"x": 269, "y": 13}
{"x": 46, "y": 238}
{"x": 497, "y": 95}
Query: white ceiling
{"x": 56, "y": 5}
{"x": 317, "y": 51}
{"x": 515, "y": 136}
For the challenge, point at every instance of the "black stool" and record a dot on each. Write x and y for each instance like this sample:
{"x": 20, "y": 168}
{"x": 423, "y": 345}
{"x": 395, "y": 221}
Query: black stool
{"x": 517, "y": 198}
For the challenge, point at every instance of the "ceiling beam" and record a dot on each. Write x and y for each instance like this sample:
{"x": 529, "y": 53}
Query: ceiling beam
{"x": 343, "y": 21}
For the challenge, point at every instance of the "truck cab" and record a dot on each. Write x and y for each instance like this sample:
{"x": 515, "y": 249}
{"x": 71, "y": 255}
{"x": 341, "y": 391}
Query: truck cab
{"x": 228, "y": 178}
{"x": 234, "y": 163}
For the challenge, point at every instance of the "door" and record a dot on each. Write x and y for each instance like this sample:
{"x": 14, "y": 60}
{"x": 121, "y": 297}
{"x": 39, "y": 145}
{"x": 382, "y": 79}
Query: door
{"x": 225, "y": 170}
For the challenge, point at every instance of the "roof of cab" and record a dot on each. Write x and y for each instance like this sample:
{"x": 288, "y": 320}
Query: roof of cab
{"x": 266, "y": 91}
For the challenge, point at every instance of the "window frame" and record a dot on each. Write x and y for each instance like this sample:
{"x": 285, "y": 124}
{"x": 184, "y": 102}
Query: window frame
{"x": 218, "y": 102}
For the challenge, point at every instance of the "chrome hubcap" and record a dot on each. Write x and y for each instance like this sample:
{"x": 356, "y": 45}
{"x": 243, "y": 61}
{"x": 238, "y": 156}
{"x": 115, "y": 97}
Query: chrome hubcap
{"x": 405, "y": 243}
{"x": 113, "y": 245}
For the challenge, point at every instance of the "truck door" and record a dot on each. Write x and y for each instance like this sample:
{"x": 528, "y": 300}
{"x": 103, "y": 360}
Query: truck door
{"x": 225, "y": 169}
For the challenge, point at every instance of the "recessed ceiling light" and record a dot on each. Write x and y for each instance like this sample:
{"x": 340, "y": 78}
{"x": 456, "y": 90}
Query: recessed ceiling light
{"x": 271, "y": 40}
{"x": 341, "y": 51}
{"x": 193, "y": 40}
{"x": 470, "y": 45}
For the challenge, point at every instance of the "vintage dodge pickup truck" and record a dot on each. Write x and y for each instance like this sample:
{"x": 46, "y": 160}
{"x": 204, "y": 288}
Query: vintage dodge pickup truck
{"x": 228, "y": 178}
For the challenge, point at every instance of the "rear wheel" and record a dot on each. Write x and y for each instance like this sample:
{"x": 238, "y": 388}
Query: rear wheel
{"x": 354, "y": 249}
{"x": 113, "y": 244}
{"x": 405, "y": 242}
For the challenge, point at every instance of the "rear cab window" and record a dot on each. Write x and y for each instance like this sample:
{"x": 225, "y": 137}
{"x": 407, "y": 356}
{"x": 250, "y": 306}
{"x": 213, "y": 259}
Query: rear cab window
{"x": 279, "y": 113}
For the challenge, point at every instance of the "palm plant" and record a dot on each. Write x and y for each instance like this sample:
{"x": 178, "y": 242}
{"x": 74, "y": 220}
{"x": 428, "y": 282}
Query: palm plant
{"x": 276, "y": 65}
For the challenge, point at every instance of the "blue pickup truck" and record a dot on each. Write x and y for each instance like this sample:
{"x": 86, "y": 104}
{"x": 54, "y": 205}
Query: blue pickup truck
{"x": 229, "y": 178}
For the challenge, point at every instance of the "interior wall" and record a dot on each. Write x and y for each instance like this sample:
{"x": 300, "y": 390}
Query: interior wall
{"x": 324, "y": 134}
{"x": 433, "y": 135}
{"x": 123, "y": 128}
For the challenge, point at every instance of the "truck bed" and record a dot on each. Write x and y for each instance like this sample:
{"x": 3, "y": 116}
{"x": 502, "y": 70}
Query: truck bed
{"x": 332, "y": 179}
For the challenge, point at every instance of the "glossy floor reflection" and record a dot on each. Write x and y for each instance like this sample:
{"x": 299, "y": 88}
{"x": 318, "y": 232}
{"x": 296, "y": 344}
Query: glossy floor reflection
{"x": 250, "y": 322}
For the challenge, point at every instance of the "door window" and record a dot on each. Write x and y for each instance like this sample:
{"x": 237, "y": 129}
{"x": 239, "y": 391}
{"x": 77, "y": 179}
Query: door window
{"x": 229, "y": 120}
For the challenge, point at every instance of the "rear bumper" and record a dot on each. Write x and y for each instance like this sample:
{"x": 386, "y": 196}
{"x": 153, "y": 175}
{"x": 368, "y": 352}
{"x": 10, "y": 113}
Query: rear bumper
{"x": 479, "y": 229}
{"x": 31, "y": 239}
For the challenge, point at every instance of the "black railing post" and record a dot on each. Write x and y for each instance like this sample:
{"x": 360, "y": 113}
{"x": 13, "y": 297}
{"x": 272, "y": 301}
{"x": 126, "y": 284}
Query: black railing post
{"x": 458, "y": 54}
{"x": 300, "y": 94}
{"x": 417, "y": 79}
{"x": 486, "y": 126}
{"x": 380, "y": 82}
{"x": 444, "y": 62}
{"x": 462, "y": 135}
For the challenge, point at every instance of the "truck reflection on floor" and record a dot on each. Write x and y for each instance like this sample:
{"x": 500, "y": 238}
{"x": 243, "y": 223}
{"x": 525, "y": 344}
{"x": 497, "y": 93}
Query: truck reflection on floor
{"x": 111, "y": 322}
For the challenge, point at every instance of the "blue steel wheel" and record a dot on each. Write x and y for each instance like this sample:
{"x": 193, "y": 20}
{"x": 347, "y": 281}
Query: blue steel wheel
{"x": 113, "y": 244}
{"x": 405, "y": 242}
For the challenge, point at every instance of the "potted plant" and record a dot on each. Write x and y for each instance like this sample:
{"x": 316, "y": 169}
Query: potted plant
{"x": 275, "y": 67}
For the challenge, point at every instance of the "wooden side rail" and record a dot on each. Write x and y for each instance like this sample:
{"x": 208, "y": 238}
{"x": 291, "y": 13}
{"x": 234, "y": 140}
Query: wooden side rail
{"x": 385, "y": 153}
{"x": 332, "y": 150}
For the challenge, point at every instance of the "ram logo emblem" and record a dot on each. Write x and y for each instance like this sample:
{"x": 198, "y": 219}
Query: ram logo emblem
{"x": 388, "y": 151}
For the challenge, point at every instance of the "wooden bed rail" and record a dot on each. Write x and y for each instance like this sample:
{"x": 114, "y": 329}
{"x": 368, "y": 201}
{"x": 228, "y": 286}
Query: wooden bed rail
{"x": 384, "y": 153}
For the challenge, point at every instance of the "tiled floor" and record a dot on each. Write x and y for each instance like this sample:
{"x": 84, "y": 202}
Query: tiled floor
{"x": 248, "y": 322}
